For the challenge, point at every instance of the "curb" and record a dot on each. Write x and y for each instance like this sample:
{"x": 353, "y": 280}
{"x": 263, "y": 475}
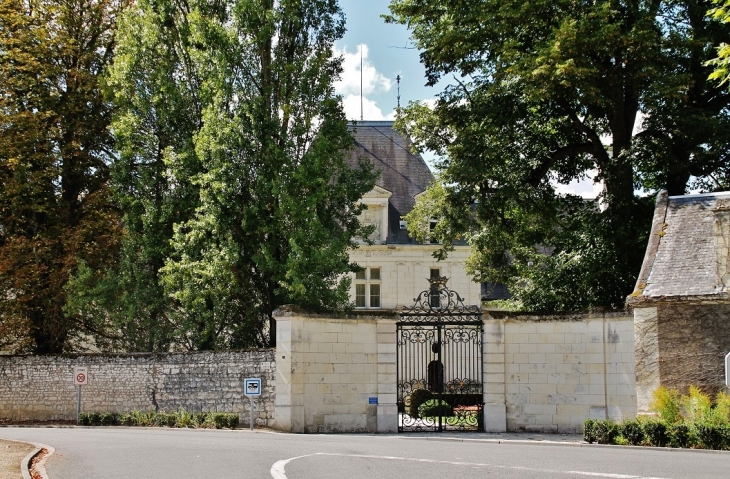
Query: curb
{"x": 40, "y": 467}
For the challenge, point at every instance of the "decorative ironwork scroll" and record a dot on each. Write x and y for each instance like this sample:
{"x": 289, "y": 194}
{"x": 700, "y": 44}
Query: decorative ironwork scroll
{"x": 440, "y": 363}
{"x": 438, "y": 303}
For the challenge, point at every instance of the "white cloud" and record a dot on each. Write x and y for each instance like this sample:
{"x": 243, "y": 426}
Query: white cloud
{"x": 586, "y": 188}
{"x": 370, "y": 110}
{"x": 372, "y": 80}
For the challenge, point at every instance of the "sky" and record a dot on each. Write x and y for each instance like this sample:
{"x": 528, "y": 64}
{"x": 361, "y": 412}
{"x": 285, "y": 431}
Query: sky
{"x": 387, "y": 52}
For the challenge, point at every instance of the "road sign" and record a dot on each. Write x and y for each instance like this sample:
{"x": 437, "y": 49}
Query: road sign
{"x": 81, "y": 376}
{"x": 252, "y": 387}
{"x": 727, "y": 369}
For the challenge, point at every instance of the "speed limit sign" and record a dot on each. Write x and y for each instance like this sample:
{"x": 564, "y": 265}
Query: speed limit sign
{"x": 81, "y": 376}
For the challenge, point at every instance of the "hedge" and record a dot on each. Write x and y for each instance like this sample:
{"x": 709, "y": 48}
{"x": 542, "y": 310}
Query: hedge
{"x": 182, "y": 419}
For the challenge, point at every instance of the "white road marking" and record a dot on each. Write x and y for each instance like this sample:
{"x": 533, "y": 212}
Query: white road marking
{"x": 278, "y": 472}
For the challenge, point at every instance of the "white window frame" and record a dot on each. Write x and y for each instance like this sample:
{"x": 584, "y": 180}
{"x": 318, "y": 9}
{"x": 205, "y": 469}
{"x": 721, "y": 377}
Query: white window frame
{"x": 368, "y": 284}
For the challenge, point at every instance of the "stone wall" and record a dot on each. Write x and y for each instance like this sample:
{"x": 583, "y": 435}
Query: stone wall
{"x": 540, "y": 373}
{"x": 551, "y": 373}
{"x": 335, "y": 374}
{"x": 41, "y": 387}
{"x": 679, "y": 345}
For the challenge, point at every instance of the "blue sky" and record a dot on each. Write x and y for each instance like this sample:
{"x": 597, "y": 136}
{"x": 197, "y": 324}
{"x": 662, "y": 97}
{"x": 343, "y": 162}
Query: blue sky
{"x": 387, "y": 52}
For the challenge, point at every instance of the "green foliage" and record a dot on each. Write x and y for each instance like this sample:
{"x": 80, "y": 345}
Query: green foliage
{"x": 680, "y": 435}
{"x": 655, "y": 432}
{"x": 231, "y": 173}
{"x": 632, "y": 431}
{"x": 721, "y": 13}
{"x": 55, "y": 150}
{"x": 589, "y": 435}
{"x": 690, "y": 421}
{"x": 605, "y": 431}
{"x": 712, "y": 436}
{"x": 666, "y": 403}
{"x": 414, "y": 400}
{"x": 549, "y": 93}
{"x": 697, "y": 406}
{"x": 178, "y": 419}
{"x": 435, "y": 408}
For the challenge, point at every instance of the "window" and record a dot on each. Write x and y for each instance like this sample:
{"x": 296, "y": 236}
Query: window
{"x": 367, "y": 288}
{"x": 431, "y": 227}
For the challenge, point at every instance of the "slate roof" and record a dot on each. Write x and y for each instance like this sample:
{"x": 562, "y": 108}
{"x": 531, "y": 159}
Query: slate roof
{"x": 681, "y": 261}
{"x": 402, "y": 172}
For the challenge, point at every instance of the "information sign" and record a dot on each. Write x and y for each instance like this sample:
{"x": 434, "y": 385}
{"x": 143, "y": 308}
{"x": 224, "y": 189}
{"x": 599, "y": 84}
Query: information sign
{"x": 252, "y": 387}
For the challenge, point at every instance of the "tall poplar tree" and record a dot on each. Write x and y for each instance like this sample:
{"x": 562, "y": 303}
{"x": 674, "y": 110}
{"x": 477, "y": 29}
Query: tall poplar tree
{"x": 548, "y": 92}
{"x": 55, "y": 150}
{"x": 232, "y": 172}
{"x": 155, "y": 86}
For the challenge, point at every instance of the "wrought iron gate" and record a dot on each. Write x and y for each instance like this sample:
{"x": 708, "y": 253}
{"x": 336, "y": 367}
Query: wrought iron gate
{"x": 439, "y": 363}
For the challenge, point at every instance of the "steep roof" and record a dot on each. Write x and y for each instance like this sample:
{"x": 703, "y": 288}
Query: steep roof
{"x": 402, "y": 172}
{"x": 687, "y": 254}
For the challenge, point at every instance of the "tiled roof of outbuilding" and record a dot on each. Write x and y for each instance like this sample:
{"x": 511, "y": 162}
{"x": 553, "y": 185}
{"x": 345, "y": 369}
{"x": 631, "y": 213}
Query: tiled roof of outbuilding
{"x": 402, "y": 172}
{"x": 682, "y": 260}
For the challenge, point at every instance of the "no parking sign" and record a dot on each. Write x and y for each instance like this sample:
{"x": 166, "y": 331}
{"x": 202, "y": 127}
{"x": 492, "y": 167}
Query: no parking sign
{"x": 81, "y": 376}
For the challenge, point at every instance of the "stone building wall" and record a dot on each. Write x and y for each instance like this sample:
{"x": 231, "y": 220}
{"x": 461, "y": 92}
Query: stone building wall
{"x": 681, "y": 345}
{"x": 41, "y": 387}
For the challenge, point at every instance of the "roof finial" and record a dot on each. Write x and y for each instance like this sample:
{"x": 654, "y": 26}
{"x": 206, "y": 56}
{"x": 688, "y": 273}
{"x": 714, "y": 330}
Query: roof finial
{"x": 397, "y": 79}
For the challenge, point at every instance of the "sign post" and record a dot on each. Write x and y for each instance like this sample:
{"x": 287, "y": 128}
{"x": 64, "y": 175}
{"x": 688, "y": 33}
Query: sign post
{"x": 251, "y": 389}
{"x": 727, "y": 369}
{"x": 81, "y": 378}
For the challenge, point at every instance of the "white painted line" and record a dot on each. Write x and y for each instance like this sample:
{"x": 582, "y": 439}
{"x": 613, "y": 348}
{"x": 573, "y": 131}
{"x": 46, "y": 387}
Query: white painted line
{"x": 278, "y": 469}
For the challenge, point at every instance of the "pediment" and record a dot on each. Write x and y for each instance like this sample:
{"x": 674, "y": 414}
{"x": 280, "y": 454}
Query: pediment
{"x": 378, "y": 192}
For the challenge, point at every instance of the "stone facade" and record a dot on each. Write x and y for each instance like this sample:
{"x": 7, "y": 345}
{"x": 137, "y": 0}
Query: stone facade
{"x": 335, "y": 374}
{"x": 41, "y": 387}
{"x": 395, "y": 266}
{"x": 540, "y": 373}
{"x": 681, "y": 345}
{"x": 681, "y": 303}
{"x": 551, "y": 373}
{"x": 404, "y": 270}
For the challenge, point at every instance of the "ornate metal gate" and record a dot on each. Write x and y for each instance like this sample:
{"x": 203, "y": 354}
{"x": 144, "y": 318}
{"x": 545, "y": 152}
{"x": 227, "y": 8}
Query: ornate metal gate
{"x": 439, "y": 363}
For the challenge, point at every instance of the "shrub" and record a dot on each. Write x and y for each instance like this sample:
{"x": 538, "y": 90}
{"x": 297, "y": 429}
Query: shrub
{"x": 185, "y": 419}
{"x": 697, "y": 406}
{"x": 722, "y": 407}
{"x": 435, "y": 408}
{"x": 712, "y": 436}
{"x": 126, "y": 419}
{"x": 632, "y": 431}
{"x": 666, "y": 403}
{"x": 655, "y": 432}
{"x": 589, "y": 434}
{"x": 605, "y": 431}
{"x": 85, "y": 419}
{"x": 415, "y": 399}
{"x": 108, "y": 419}
{"x": 679, "y": 435}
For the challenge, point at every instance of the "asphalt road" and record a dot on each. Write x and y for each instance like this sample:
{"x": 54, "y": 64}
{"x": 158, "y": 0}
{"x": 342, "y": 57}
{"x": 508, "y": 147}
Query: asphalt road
{"x": 86, "y": 453}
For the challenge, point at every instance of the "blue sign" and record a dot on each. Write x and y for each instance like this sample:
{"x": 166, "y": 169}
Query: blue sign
{"x": 252, "y": 387}
{"x": 372, "y": 400}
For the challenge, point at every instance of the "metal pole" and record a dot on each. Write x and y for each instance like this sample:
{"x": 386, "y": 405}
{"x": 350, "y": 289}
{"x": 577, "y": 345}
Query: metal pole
{"x": 78, "y": 407}
{"x": 250, "y": 399}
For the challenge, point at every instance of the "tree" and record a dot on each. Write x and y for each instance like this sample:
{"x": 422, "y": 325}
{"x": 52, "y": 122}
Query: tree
{"x": 155, "y": 88}
{"x": 547, "y": 92}
{"x": 55, "y": 207}
{"x": 721, "y": 13}
{"x": 253, "y": 142}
